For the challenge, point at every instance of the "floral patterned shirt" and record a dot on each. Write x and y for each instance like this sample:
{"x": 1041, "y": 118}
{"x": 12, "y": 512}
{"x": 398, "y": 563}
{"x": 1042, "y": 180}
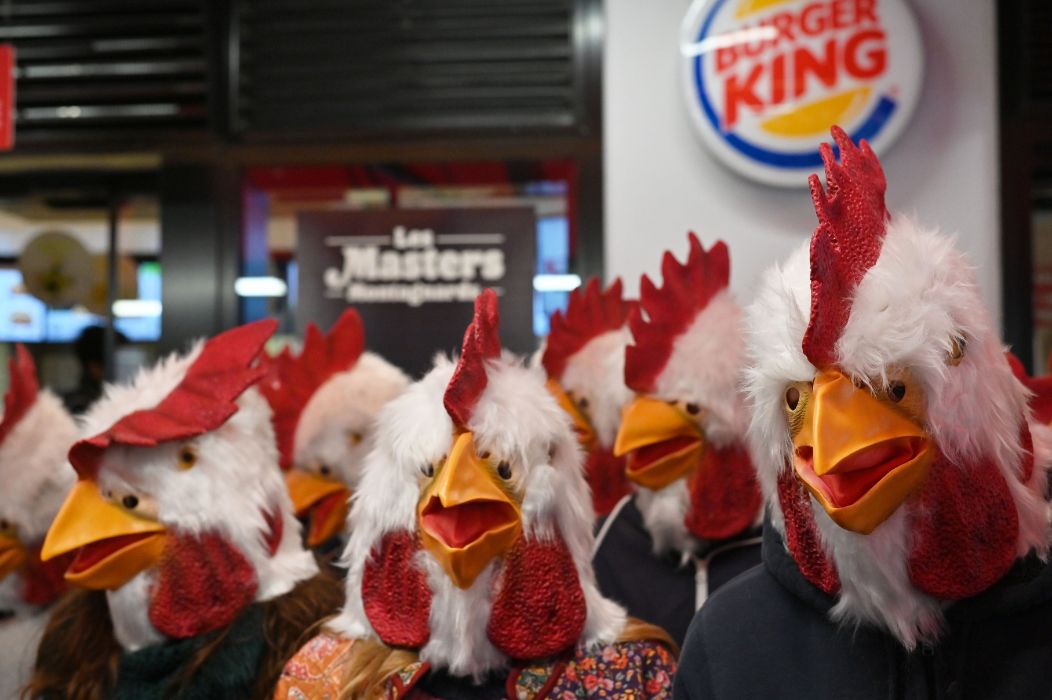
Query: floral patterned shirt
{"x": 625, "y": 670}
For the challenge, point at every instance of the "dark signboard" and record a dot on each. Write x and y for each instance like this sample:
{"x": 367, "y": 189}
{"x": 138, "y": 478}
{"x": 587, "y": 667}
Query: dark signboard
{"x": 413, "y": 275}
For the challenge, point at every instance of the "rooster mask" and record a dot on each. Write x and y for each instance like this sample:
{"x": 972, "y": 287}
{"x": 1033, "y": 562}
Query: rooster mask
{"x": 35, "y": 433}
{"x": 585, "y": 357}
{"x": 683, "y": 434}
{"x": 324, "y": 401}
{"x": 179, "y": 511}
{"x": 471, "y": 529}
{"x": 891, "y": 436}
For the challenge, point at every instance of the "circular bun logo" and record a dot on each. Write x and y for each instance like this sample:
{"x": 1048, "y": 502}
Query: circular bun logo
{"x": 765, "y": 79}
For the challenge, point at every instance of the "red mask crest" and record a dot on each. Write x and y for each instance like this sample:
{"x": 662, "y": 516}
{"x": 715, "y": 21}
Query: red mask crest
{"x": 203, "y": 400}
{"x": 21, "y": 392}
{"x": 481, "y": 343}
{"x": 589, "y": 314}
{"x": 291, "y": 381}
{"x": 852, "y": 221}
{"x": 686, "y": 290}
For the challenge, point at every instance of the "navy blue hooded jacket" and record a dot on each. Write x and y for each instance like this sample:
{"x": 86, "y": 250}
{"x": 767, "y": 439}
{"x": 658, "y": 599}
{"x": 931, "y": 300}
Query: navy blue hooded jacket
{"x": 768, "y": 635}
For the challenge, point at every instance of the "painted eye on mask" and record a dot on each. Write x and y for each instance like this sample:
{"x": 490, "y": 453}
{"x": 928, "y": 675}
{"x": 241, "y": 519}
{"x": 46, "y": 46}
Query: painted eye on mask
{"x": 136, "y": 504}
{"x": 187, "y": 457}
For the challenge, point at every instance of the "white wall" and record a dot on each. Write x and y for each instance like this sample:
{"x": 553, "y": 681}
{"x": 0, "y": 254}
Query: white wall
{"x": 661, "y": 182}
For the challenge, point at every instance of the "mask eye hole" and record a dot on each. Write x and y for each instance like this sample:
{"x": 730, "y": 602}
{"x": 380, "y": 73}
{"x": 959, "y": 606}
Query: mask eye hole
{"x": 958, "y": 345}
{"x": 355, "y": 438}
{"x": 141, "y": 506}
{"x": 693, "y": 409}
{"x": 896, "y": 390}
{"x": 582, "y": 403}
{"x": 428, "y": 470}
{"x": 792, "y": 398}
{"x": 504, "y": 470}
{"x": 325, "y": 470}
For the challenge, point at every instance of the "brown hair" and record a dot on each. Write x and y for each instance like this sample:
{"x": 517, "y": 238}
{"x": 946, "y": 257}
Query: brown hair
{"x": 78, "y": 655}
{"x": 373, "y": 663}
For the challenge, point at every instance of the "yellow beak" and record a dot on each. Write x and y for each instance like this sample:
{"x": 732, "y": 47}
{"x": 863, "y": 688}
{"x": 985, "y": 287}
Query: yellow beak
{"x": 466, "y": 518}
{"x": 112, "y": 545}
{"x": 12, "y": 555}
{"x": 582, "y": 427}
{"x": 324, "y": 500}
{"x": 661, "y": 442}
{"x": 858, "y": 455}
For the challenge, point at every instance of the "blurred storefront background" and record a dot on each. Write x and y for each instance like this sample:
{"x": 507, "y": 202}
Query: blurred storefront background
{"x": 182, "y": 140}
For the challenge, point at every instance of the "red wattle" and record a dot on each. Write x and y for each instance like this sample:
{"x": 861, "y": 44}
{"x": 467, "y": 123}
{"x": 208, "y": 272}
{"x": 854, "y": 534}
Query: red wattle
{"x": 44, "y": 581}
{"x": 539, "y": 608}
{"x": 395, "y": 593}
{"x": 202, "y": 585}
{"x": 965, "y": 527}
{"x": 801, "y": 534}
{"x": 724, "y": 496}
{"x": 606, "y": 478}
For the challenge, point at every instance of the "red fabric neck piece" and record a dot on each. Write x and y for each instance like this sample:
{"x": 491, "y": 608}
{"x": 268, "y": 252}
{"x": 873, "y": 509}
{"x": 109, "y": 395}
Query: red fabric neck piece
{"x": 801, "y": 534}
{"x": 539, "y": 609}
{"x": 724, "y": 495}
{"x": 395, "y": 594}
{"x": 606, "y": 479}
{"x": 275, "y": 529}
{"x": 203, "y": 584}
{"x": 43, "y": 582}
{"x": 965, "y": 527}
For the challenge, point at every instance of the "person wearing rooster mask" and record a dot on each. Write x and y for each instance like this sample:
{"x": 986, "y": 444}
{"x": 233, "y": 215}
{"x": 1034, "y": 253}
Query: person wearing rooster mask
{"x": 183, "y": 535}
{"x": 35, "y": 433}
{"x": 693, "y": 523}
{"x": 584, "y": 357}
{"x": 905, "y": 552}
{"x": 468, "y": 554}
{"x": 324, "y": 402}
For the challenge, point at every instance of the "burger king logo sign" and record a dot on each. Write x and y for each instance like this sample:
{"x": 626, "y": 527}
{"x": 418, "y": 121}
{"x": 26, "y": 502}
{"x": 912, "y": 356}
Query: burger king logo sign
{"x": 765, "y": 79}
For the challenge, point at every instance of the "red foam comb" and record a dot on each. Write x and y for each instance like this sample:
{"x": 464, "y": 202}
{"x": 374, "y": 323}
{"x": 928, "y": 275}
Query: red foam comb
{"x": 1041, "y": 401}
{"x": 686, "y": 290}
{"x": 292, "y": 381}
{"x": 852, "y": 221}
{"x": 481, "y": 343}
{"x": 589, "y": 314}
{"x": 203, "y": 400}
{"x": 21, "y": 392}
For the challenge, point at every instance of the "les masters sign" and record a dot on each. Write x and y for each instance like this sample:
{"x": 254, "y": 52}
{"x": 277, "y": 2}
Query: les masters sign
{"x": 413, "y": 275}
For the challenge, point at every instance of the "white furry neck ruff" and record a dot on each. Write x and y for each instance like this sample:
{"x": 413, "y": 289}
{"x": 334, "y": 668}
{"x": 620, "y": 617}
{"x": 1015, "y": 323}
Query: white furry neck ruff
{"x": 515, "y": 416}
{"x": 909, "y": 306}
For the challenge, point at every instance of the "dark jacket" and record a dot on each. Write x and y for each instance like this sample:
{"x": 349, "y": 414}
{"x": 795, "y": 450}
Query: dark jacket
{"x": 664, "y": 590}
{"x": 768, "y": 635}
